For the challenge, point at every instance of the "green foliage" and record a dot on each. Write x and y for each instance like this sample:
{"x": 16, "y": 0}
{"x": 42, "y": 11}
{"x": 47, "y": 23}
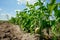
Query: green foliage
{"x": 12, "y": 20}
{"x": 31, "y": 18}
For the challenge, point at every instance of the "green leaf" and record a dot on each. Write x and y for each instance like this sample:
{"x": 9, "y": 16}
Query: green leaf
{"x": 52, "y": 2}
{"x": 36, "y": 4}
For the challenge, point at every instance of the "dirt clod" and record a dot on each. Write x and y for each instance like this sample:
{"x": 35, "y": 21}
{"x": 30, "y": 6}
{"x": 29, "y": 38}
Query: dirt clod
{"x": 12, "y": 32}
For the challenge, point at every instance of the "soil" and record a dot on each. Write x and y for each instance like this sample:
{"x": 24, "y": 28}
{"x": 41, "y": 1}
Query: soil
{"x": 10, "y": 31}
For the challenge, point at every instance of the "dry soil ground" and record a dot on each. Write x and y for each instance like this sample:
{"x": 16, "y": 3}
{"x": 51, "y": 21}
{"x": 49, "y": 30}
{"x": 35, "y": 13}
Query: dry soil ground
{"x": 9, "y": 31}
{"x": 12, "y": 32}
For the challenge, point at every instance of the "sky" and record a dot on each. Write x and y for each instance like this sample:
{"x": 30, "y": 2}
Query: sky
{"x": 9, "y": 7}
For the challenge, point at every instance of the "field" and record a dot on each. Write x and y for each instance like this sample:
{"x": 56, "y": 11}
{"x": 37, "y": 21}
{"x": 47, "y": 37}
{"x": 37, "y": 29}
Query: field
{"x": 9, "y": 31}
{"x": 35, "y": 22}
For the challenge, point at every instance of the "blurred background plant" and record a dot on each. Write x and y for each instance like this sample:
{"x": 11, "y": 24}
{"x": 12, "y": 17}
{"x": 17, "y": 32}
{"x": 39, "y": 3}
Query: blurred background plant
{"x": 35, "y": 18}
